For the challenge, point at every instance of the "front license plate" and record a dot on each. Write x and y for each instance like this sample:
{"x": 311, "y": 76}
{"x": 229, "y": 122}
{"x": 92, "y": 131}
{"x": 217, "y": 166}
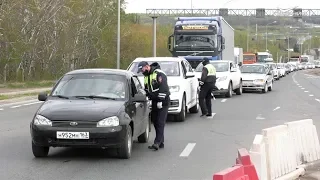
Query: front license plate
{"x": 72, "y": 135}
{"x": 247, "y": 84}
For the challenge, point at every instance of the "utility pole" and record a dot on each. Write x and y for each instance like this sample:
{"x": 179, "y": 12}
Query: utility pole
{"x": 118, "y": 36}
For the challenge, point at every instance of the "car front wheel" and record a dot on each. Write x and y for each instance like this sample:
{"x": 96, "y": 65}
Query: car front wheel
{"x": 124, "y": 152}
{"x": 40, "y": 151}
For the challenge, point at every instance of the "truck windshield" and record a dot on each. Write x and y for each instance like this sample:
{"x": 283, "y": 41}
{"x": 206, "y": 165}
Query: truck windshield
{"x": 248, "y": 57}
{"x": 196, "y": 40}
{"x": 261, "y": 58}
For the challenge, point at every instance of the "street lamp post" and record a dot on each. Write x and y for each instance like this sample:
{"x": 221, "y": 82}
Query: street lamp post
{"x": 118, "y": 36}
{"x": 267, "y": 34}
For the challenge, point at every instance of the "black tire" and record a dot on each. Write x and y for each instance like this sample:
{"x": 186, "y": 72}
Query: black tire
{"x": 40, "y": 151}
{"x": 144, "y": 138}
{"x": 124, "y": 152}
{"x": 270, "y": 87}
{"x": 239, "y": 90}
{"x": 195, "y": 108}
{"x": 265, "y": 90}
{"x": 229, "y": 93}
{"x": 182, "y": 115}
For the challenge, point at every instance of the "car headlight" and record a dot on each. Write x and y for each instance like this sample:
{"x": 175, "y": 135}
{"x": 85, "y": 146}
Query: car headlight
{"x": 109, "y": 122}
{"x": 174, "y": 88}
{"x": 41, "y": 121}
{"x": 259, "y": 81}
{"x": 223, "y": 78}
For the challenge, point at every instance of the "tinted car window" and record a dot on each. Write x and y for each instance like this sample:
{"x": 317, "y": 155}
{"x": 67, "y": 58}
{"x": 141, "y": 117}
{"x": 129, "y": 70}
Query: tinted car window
{"x": 171, "y": 68}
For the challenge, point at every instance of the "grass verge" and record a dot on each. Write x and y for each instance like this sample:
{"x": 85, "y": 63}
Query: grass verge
{"x": 31, "y": 84}
{"x": 6, "y": 97}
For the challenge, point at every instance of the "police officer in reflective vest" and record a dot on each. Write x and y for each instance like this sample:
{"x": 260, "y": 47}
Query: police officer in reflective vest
{"x": 207, "y": 84}
{"x": 156, "y": 86}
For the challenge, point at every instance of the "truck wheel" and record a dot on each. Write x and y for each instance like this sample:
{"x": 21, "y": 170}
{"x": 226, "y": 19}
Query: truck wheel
{"x": 39, "y": 151}
{"x": 239, "y": 90}
{"x": 124, "y": 152}
{"x": 182, "y": 115}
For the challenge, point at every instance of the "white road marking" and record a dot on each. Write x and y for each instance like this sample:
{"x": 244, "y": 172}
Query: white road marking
{"x": 306, "y": 91}
{"x": 302, "y": 88}
{"x": 317, "y": 100}
{"x": 311, "y": 95}
{"x": 276, "y": 108}
{"x": 32, "y": 103}
{"x": 213, "y": 114}
{"x": 260, "y": 117}
{"x": 187, "y": 150}
{"x": 1, "y": 109}
{"x": 18, "y": 103}
{"x": 223, "y": 100}
{"x": 298, "y": 84}
{"x": 15, "y": 106}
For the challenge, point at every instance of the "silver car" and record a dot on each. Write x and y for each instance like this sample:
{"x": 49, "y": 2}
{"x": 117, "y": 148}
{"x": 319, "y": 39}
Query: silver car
{"x": 257, "y": 77}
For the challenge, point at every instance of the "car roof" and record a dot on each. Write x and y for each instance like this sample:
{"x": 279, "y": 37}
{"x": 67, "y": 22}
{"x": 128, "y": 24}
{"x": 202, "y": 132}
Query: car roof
{"x": 159, "y": 59}
{"x": 102, "y": 71}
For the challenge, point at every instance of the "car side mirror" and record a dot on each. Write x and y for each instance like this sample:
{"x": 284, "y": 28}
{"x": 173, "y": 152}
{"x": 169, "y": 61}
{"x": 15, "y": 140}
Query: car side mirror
{"x": 240, "y": 64}
{"x": 233, "y": 70}
{"x": 189, "y": 75}
{"x": 140, "y": 98}
{"x": 42, "y": 96}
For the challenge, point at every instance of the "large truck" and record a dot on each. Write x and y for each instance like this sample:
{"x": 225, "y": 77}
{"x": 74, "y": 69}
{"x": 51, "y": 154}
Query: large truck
{"x": 197, "y": 37}
{"x": 238, "y": 55}
{"x": 249, "y": 58}
{"x": 263, "y": 57}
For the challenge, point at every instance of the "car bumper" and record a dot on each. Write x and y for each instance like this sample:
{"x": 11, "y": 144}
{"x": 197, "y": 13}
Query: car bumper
{"x": 98, "y": 137}
{"x": 175, "y": 103}
{"x": 222, "y": 87}
{"x": 252, "y": 86}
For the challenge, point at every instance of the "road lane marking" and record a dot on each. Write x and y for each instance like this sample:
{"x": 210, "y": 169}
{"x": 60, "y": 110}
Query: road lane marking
{"x": 213, "y": 114}
{"x": 311, "y": 95}
{"x": 306, "y": 91}
{"x": 187, "y": 150}
{"x": 18, "y": 103}
{"x": 13, "y": 107}
{"x": 28, "y": 104}
{"x": 302, "y": 88}
{"x": 298, "y": 84}
{"x": 1, "y": 109}
{"x": 260, "y": 117}
{"x": 276, "y": 108}
{"x": 223, "y": 100}
{"x": 317, "y": 100}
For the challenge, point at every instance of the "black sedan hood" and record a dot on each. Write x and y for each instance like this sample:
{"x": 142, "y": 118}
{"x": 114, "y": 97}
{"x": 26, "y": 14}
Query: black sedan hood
{"x": 79, "y": 110}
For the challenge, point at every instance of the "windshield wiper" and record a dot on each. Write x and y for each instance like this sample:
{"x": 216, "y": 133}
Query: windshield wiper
{"x": 95, "y": 97}
{"x": 61, "y": 96}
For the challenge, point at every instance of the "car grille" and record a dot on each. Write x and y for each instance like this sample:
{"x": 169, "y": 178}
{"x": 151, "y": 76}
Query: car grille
{"x": 80, "y": 124}
{"x": 247, "y": 81}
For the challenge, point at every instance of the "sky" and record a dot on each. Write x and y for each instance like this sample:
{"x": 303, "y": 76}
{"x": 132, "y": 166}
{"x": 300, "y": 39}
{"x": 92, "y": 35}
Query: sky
{"x": 140, "y": 6}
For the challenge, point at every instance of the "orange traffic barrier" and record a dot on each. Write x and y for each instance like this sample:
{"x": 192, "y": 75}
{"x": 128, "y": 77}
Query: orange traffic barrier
{"x": 233, "y": 173}
{"x": 249, "y": 168}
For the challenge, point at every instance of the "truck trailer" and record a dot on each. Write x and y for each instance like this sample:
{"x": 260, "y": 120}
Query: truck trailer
{"x": 197, "y": 37}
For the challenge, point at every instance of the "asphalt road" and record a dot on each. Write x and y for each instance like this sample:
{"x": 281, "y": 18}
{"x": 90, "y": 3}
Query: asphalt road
{"x": 194, "y": 149}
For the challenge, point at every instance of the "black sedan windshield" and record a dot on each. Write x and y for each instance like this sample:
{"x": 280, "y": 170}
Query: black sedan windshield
{"x": 253, "y": 69}
{"x": 92, "y": 86}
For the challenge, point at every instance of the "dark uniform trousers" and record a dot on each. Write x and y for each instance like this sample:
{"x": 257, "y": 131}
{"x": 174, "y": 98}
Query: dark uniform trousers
{"x": 205, "y": 97}
{"x": 159, "y": 118}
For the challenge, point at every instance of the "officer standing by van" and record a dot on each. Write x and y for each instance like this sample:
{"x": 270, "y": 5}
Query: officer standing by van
{"x": 207, "y": 84}
{"x": 156, "y": 86}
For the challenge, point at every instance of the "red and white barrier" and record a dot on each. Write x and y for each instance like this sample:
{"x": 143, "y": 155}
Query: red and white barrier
{"x": 277, "y": 153}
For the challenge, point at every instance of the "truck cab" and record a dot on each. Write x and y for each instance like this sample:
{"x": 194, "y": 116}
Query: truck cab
{"x": 249, "y": 58}
{"x": 197, "y": 37}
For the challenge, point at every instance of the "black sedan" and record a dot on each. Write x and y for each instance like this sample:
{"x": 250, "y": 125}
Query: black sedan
{"x": 100, "y": 108}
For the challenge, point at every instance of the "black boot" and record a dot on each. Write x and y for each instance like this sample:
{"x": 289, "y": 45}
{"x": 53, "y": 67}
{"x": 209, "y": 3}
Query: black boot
{"x": 154, "y": 147}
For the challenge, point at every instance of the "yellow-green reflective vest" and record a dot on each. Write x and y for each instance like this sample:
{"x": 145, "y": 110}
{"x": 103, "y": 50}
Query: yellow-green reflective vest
{"x": 153, "y": 78}
{"x": 211, "y": 70}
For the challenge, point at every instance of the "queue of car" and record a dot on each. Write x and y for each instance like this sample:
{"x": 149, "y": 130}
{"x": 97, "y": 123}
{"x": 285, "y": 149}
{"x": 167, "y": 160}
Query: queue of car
{"x": 108, "y": 108}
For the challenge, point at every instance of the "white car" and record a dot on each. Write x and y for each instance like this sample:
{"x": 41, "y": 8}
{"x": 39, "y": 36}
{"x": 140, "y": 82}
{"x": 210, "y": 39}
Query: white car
{"x": 281, "y": 69}
{"x": 257, "y": 77}
{"x": 181, "y": 80}
{"x": 229, "y": 77}
{"x": 274, "y": 70}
